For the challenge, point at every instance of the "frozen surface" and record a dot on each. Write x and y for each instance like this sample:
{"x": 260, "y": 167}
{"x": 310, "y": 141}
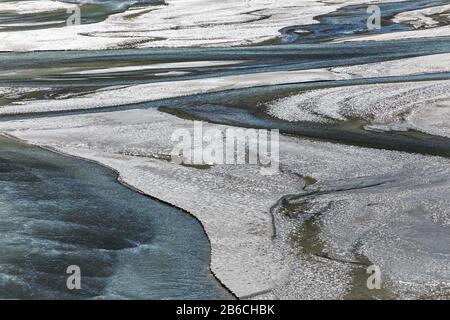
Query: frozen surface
{"x": 231, "y": 201}
{"x": 308, "y": 232}
{"x": 28, "y": 7}
{"x": 421, "y": 106}
{"x": 400, "y": 67}
{"x": 424, "y": 17}
{"x": 177, "y": 24}
{"x": 174, "y": 65}
{"x": 372, "y": 202}
{"x": 114, "y": 96}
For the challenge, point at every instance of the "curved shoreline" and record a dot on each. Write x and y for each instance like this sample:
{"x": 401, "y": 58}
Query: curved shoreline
{"x": 234, "y": 202}
{"x": 120, "y": 180}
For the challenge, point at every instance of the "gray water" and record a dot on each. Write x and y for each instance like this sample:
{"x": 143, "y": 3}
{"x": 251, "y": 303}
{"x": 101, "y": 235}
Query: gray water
{"x": 57, "y": 211}
{"x": 93, "y": 12}
{"x": 242, "y": 107}
{"x": 351, "y": 20}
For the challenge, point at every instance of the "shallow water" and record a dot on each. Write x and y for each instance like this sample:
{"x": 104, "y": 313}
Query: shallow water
{"x": 57, "y": 211}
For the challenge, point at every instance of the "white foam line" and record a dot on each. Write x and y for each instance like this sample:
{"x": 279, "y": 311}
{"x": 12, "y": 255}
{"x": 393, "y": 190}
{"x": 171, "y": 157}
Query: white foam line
{"x": 174, "y": 65}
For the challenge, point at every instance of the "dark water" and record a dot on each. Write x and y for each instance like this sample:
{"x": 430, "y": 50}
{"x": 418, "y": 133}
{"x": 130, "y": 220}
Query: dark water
{"x": 92, "y": 12}
{"x": 352, "y": 20}
{"x": 243, "y": 107}
{"x": 56, "y": 211}
{"x": 32, "y": 69}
